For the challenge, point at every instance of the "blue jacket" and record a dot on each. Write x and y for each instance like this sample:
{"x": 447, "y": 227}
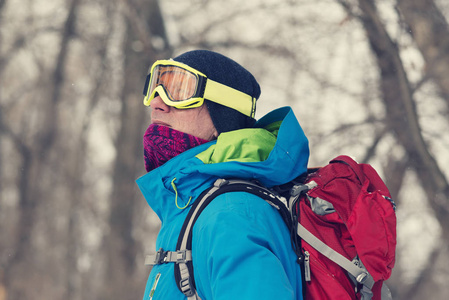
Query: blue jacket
{"x": 241, "y": 247}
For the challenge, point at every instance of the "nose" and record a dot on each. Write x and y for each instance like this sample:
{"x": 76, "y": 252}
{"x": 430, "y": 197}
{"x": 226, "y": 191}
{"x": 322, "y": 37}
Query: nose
{"x": 158, "y": 104}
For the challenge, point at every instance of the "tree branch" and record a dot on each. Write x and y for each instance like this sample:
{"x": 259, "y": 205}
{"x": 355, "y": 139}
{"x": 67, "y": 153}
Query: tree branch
{"x": 430, "y": 31}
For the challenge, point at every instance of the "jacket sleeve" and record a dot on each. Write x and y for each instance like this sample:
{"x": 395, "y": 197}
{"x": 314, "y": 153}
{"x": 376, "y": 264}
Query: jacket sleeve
{"x": 241, "y": 250}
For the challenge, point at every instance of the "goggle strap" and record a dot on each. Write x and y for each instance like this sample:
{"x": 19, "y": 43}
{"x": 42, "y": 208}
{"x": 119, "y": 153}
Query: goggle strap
{"x": 227, "y": 96}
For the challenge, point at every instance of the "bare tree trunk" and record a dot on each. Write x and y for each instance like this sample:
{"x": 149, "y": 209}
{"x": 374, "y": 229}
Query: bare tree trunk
{"x": 26, "y": 211}
{"x": 2, "y": 4}
{"x": 120, "y": 246}
{"x": 33, "y": 164}
{"x": 402, "y": 116}
{"x": 430, "y": 31}
{"x": 3, "y": 285}
{"x": 50, "y": 129}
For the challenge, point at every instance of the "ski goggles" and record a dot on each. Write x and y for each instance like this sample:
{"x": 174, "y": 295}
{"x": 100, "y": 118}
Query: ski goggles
{"x": 183, "y": 87}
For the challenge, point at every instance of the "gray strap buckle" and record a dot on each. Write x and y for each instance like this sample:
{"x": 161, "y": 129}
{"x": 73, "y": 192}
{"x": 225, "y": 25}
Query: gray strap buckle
{"x": 181, "y": 256}
{"x": 187, "y": 287}
{"x": 163, "y": 257}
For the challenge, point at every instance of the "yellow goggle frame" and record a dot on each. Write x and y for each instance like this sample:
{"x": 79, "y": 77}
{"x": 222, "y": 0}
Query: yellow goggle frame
{"x": 212, "y": 91}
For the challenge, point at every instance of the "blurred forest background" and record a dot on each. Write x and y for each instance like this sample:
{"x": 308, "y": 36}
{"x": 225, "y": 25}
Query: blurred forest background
{"x": 368, "y": 78}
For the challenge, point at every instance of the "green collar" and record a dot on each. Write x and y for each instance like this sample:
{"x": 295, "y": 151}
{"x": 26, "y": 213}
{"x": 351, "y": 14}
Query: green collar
{"x": 244, "y": 145}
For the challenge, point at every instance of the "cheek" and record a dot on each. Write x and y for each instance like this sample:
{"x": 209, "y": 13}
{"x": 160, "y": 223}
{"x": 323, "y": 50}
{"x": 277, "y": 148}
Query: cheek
{"x": 188, "y": 121}
{"x": 206, "y": 126}
{"x": 196, "y": 122}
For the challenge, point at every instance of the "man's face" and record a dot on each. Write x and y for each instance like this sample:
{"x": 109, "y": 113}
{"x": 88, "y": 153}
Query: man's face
{"x": 193, "y": 121}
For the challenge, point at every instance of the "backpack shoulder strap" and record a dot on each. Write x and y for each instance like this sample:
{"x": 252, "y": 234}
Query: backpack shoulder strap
{"x": 184, "y": 269}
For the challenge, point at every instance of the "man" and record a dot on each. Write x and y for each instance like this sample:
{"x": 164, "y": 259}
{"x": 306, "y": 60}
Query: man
{"x": 203, "y": 128}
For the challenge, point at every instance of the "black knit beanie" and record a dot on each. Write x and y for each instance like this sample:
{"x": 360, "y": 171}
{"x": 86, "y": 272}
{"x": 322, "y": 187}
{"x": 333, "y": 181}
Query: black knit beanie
{"x": 228, "y": 72}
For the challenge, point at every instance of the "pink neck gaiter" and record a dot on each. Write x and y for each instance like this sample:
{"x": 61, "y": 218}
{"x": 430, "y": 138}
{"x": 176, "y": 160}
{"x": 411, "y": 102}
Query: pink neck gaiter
{"x": 161, "y": 143}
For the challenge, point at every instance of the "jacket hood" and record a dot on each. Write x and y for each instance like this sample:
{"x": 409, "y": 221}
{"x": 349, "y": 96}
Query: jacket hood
{"x": 274, "y": 152}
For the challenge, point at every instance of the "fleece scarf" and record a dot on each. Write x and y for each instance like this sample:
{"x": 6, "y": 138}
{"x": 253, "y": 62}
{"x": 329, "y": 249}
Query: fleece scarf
{"x": 161, "y": 143}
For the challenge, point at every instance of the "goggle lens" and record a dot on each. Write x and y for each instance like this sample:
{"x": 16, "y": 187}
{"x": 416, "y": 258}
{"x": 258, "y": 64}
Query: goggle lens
{"x": 179, "y": 83}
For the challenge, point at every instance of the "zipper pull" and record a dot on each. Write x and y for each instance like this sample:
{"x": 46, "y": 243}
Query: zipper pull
{"x": 307, "y": 276}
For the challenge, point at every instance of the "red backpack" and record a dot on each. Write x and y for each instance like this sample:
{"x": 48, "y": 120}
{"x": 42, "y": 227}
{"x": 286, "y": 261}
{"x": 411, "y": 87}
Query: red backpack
{"x": 346, "y": 219}
{"x": 343, "y": 225}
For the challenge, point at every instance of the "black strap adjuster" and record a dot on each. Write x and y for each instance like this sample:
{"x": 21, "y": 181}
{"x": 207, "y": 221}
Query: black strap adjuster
{"x": 160, "y": 257}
